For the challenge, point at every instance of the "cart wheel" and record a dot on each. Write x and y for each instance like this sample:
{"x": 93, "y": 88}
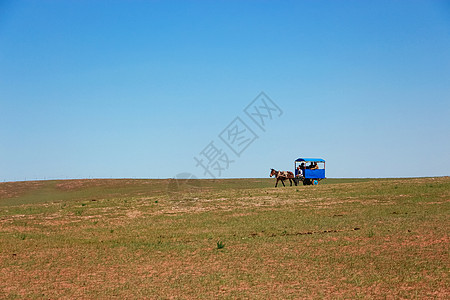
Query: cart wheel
{"x": 315, "y": 182}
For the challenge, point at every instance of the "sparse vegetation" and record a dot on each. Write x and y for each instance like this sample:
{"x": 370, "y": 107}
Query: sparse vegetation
{"x": 220, "y": 245}
{"x": 367, "y": 238}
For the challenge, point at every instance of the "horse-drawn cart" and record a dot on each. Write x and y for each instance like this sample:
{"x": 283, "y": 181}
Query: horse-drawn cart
{"x": 309, "y": 170}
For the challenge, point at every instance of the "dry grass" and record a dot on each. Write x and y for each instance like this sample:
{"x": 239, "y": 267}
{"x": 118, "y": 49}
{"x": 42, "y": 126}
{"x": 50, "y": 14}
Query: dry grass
{"x": 143, "y": 239}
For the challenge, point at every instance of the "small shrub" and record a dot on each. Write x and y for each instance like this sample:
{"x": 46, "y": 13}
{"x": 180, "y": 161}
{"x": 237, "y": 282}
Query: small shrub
{"x": 220, "y": 245}
{"x": 21, "y": 236}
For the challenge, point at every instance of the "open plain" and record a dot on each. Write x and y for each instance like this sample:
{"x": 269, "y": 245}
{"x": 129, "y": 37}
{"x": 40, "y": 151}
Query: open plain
{"x": 229, "y": 238}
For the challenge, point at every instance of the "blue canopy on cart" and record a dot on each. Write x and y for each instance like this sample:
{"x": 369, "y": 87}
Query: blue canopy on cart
{"x": 310, "y": 159}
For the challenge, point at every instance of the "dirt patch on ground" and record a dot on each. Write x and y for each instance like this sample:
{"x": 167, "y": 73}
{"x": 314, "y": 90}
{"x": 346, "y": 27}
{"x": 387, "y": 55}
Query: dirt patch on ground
{"x": 74, "y": 184}
{"x": 134, "y": 214}
{"x": 15, "y": 189}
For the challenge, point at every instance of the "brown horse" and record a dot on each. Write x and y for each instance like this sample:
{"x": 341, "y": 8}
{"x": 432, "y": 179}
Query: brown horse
{"x": 282, "y": 175}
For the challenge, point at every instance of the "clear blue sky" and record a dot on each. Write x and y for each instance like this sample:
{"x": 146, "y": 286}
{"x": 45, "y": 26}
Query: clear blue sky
{"x": 138, "y": 88}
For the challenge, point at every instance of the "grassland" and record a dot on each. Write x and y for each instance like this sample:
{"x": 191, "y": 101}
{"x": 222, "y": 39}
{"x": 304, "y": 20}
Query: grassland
{"x": 368, "y": 238}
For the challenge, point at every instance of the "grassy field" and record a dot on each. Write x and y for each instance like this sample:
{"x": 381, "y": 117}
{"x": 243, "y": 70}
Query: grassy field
{"x": 362, "y": 238}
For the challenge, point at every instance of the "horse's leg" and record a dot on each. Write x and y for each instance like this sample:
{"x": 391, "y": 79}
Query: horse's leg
{"x": 276, "y": 183}
{"x": 282, "y": 181}
{"x": 290, "y": 180}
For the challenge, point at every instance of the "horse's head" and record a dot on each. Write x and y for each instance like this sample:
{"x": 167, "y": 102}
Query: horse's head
{"x": 272, "y": 172}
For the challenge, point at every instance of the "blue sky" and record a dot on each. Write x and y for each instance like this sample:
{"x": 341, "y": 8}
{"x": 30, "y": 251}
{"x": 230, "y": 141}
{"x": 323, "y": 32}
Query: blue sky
{"x": 100, "y": 89}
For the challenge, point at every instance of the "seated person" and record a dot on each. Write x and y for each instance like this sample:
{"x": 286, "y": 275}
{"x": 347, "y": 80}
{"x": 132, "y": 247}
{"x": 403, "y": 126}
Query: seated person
{"x": 311, "y": 165}
{"x": 314, "y": 166}
{"x": 302, "y": 166}
{"x": 299, "y": 171}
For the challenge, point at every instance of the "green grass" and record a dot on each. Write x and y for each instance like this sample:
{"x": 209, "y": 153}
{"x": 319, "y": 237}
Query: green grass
{"x": 346, "y": 238}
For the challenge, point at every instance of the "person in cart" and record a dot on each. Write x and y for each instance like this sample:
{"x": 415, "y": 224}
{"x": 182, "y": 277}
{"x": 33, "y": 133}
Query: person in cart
{"x": 312, "y": 170}
{"x": 299, "y": 172}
